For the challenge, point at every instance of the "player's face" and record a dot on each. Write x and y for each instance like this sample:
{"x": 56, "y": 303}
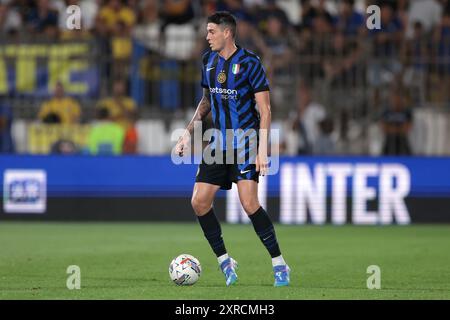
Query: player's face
{"x": 215, "y": 37}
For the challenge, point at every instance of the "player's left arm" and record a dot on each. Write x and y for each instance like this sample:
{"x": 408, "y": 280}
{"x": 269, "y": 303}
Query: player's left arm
{"x": 263, "y": 101}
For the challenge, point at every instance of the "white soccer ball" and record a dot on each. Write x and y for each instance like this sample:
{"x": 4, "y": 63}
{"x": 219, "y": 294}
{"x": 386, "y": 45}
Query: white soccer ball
{"x": 185, "y": 270}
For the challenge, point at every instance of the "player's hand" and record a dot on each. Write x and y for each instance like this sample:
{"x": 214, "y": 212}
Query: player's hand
{"x": 182, "y": 144}
{"x": 262, "y": 164}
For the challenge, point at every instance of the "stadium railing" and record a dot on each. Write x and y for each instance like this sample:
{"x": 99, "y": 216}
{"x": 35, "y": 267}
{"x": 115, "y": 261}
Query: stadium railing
{"x": 167, "y": 89}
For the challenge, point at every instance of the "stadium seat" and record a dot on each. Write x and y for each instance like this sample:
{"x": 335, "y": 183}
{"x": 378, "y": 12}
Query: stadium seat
{"x": 177, "y": 126}
{"x": 292, "y": 140}
{"x": 19, "y": 134}
{"x": 430, "y": 131}
{"x": 441, "y": 133}
{"x": 153, "y": 138}
{"x": 428, "y": 136}
{"x": 418, "y": 135}
{"x": 447, "y": 129}
{"x": 276, "y": 135}
{"x": 375, "y": 139}
{"x": 180, "y": 41}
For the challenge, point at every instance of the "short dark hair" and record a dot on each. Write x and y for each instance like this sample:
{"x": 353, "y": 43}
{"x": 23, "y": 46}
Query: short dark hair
{"x": 351, "y": 3}
{"x": 225, "y": 19}
{"x": 102, "y": 113}
{"x": 418, "y": 25}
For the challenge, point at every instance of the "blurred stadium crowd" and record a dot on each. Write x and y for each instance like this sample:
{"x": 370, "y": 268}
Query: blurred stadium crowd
{"x": 337, "y": 87}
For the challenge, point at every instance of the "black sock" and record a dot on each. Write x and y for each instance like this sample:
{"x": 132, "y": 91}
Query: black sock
{"x": 265, "y": 231}
{"x": 213, "y": 232}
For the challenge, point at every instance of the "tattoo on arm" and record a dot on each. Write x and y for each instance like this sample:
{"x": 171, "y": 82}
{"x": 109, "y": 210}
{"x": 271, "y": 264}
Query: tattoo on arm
{"x": 203, "y": 108}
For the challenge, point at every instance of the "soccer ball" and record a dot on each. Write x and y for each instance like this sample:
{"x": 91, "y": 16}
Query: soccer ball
{"x": 185, "y": 270}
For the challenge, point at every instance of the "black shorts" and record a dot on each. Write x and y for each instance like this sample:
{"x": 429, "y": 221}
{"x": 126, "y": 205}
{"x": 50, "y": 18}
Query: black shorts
{"x": 224, "y": 175}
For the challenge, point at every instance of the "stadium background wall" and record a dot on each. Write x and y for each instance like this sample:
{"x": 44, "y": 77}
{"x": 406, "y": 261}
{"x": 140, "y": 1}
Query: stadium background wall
{"x": 317, "y": 190}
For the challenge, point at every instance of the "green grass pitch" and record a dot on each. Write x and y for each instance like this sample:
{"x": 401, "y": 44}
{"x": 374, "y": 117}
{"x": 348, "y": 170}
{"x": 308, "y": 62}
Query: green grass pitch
{"x": 130, "y": 261}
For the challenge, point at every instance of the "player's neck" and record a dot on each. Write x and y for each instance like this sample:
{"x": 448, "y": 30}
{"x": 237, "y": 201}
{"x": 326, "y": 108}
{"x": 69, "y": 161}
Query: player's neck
{"x": 228, "y": 51}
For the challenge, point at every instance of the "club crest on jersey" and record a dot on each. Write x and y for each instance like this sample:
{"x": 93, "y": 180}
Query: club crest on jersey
{"x": 235, "y": 68}
{"x": 221, "y": 77}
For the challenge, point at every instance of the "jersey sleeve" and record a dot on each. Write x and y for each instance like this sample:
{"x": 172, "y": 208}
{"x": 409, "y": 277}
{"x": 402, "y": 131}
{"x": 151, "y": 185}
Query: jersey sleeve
{"x": 257, "y": 76}
{"x": 204, "y": 82}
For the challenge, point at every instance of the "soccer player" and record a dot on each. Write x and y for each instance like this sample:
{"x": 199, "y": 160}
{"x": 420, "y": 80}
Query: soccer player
{"x": 234, "y": 81}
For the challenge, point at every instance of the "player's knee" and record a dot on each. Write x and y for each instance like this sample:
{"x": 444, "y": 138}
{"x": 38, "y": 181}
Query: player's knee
{"x": 200, "y": 206}
{"x": 250, "y": 206}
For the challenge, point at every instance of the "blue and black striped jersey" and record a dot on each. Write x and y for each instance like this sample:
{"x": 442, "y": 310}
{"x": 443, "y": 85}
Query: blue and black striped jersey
{"x": 232, "y": 84}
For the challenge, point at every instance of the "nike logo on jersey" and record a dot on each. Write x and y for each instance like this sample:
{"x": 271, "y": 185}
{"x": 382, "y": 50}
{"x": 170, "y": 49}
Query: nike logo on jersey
{"x": 207, "y": 69}
{"x": 242, "y": 172}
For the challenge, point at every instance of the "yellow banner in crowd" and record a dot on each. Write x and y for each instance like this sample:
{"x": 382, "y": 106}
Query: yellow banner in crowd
{"x": 41, "y": 137}
{"x": 19, "y": 65}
